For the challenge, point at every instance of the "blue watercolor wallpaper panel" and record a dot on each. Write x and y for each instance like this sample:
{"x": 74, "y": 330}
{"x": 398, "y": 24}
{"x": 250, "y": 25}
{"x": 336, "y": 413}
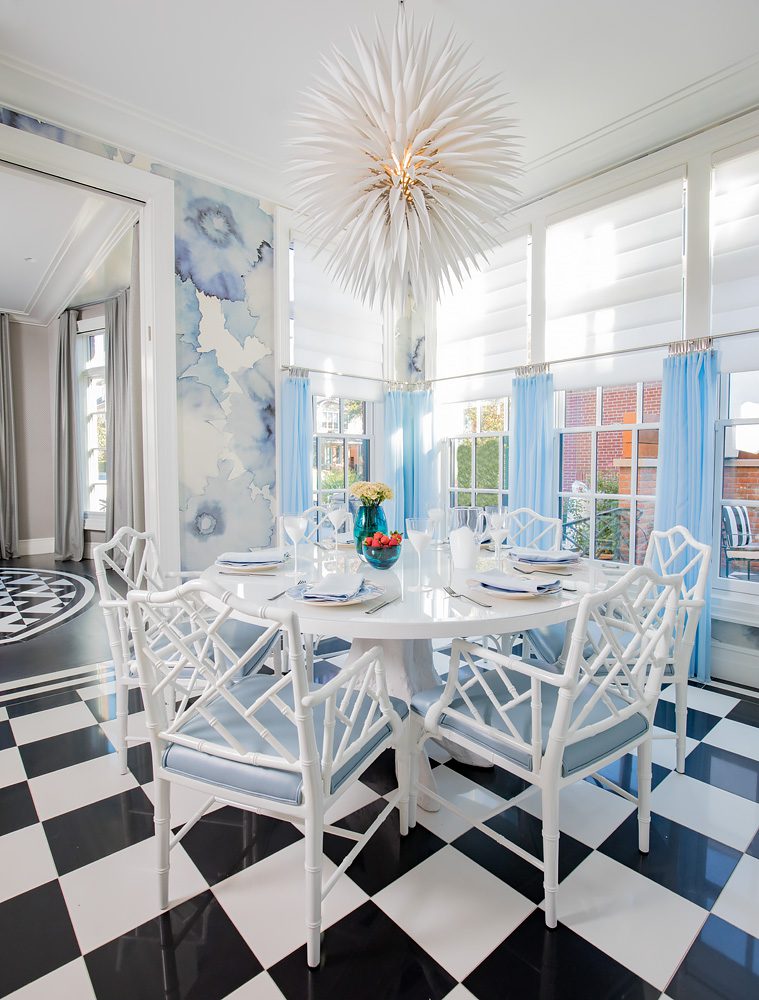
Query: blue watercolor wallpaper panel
{"x": 224, "y": 246}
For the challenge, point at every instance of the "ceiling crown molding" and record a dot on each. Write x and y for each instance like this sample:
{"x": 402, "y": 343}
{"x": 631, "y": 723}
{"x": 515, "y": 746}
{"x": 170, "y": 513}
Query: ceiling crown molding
{"x": 30, "y": 90}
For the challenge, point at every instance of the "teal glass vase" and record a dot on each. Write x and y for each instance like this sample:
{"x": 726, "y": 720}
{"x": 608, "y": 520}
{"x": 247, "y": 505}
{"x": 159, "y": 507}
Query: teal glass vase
{"x": 368, "y": 521}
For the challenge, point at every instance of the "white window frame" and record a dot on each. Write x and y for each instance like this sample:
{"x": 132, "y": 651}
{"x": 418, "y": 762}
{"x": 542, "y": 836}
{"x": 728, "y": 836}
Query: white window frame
{"x": 593, "y": 496}
{"x": 321, "y": 496}
{"x": 452, "y": 492}
{"x": 724, "y": 583}
{"x": 94, "y": 520}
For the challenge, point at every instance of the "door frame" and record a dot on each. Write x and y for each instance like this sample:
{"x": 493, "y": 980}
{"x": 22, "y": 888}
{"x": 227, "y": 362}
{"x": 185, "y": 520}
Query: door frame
{"x": 155, "y": 198}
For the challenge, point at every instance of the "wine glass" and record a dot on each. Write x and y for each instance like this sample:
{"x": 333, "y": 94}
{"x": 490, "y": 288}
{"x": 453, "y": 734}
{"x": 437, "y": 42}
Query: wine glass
{"x": 419, "y": 531}
{"x": 295, "y": 528}
{"x": 497, "y": 518}
{"x": 337, "y": 512}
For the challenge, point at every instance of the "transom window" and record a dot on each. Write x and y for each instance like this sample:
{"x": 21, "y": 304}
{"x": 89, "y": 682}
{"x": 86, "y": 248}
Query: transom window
{"x": 738, "y": 469}
{"x": 342, "y": 446}
{"x": 608, "y": 457}
{"x": 93, "y": 408}
{"x": 478, "y": 453}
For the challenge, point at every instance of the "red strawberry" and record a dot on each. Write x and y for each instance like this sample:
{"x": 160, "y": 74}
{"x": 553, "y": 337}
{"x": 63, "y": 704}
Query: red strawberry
{"x": 368, "y": 542}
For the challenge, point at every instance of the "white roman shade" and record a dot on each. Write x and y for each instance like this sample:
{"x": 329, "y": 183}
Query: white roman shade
{"x": 735, "y": 244}
{"x": 332, "y": 331}
{"x": 483, "y": 325}
{"x": 614, "y": 274}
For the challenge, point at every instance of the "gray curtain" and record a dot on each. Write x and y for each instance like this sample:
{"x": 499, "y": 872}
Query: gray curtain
{"x": 69, "y": 507}
{"x": 8, "y": 484}
{"x": 126, "y": 504}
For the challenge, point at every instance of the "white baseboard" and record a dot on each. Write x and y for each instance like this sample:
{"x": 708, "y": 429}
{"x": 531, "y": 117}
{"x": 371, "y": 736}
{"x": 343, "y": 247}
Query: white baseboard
{"x": 736, "y": 664}
{"x": 36, "y": 546}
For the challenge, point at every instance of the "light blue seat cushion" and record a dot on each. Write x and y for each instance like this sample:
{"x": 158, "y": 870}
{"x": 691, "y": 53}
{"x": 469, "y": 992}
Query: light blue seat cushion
{"x": 576, "y": 755}
{"x": 266, "y": 782}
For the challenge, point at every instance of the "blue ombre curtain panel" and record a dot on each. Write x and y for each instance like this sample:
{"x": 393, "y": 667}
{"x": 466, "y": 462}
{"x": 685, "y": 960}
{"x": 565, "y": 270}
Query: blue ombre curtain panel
{"x": 409, "y": 454}
{"x": 685, "y": 477}
{"x": 531, "y": 444}
{"x": 418, "y": 454}
{"x": 394, "y": 413}
{"x": 297, "y": 444}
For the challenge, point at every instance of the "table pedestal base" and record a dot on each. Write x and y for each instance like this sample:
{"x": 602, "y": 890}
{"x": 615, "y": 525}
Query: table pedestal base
{"x": 409, "y": 668}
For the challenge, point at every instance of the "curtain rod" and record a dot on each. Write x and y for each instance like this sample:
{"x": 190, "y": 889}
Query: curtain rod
{"x": 536, "y": 367}
{"x": 594, "y": 357}
{"x": 97, "y": 302}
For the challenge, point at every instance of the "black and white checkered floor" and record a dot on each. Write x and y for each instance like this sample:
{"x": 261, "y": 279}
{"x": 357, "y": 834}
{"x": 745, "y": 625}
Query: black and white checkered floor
{"x": 442, "y": 913}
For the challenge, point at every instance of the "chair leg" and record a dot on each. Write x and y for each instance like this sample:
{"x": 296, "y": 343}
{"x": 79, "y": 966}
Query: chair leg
{"x": 550, "y": 803}
{"x": 681, "y": 720}
{"x": 162, "y": 819}
{"x": 122, "y": 717}
{"x": 403, "y": 771}
{"x": 314, "y": 848}
{"x": 644, "y": 795}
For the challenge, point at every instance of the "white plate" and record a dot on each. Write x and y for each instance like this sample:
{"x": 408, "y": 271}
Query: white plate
{"x": 360, "y": 599}
{"x": 245, "y": 570}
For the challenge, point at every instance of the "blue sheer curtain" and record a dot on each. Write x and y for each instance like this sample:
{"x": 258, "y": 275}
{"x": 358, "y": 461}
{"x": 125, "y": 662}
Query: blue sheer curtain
{"x": 531, "y": 441}
{"x": 409, "y": 454}
{"x": 685, "y": 478}
{"x": 394, "y": 411}
{"x": 297, "y": 444}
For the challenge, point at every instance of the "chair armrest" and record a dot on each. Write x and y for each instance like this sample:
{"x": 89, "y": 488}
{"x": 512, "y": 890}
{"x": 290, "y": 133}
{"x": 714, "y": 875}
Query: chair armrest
{"x": 115, "y": 603}
{"x": 509, "y": 662}
{"x": 324, "y": 693}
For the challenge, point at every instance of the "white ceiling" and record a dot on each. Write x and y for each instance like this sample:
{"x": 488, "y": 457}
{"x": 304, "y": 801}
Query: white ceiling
{"x": 212, "y": 87}
{"x": 57, "y": 241}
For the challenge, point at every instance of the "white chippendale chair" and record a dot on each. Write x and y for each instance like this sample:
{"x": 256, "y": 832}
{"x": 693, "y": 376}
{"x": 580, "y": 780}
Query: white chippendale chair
{"x": 527, "y": 527}
{"x": 677, "y": 551}
{"x": 553, "y": 727}
{"x": 265, "y": 743}
{"x": 130, "y": 561}
{"x": 671, "y": 551}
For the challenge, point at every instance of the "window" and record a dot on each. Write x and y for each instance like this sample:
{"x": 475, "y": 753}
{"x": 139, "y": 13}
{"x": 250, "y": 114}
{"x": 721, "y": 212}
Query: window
{"x": 484, "y": 325}
{"x": 330, "y": 329}
{"x": 342, "y": 446}
{"x": 614, "y": 274}
{"x": 738, "y": 469}
{"x": 608, "y": 456}
{"x": 92, "y": 395}
{"x": 478, "y": 454}
{"x": 735, "y": 244}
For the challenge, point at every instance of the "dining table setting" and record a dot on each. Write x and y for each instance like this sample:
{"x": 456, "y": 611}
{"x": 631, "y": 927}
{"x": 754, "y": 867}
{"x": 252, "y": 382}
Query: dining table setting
{"x": 421, "y": 599}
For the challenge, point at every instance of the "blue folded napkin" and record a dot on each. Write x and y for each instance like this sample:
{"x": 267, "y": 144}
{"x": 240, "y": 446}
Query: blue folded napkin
{"x": 515, "y": 583}
{"x": 334, "y": 588}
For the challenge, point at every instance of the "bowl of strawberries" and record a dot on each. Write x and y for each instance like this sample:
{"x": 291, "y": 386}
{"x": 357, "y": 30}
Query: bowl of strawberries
{"x": 382, "y": 551}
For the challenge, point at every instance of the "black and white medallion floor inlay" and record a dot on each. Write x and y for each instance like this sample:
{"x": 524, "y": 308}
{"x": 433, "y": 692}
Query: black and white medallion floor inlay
{"x": 34, "y": 600}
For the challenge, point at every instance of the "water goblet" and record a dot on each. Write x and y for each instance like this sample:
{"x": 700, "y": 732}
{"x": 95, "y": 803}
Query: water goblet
{"x": 337, "y": 512}
{"x": 497, "y": 518}
{"x": 295, "y": 526}
{"x": 419, "y": 531}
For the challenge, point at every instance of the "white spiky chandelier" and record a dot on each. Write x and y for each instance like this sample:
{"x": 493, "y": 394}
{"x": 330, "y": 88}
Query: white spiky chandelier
{"x": 404, "y": 166}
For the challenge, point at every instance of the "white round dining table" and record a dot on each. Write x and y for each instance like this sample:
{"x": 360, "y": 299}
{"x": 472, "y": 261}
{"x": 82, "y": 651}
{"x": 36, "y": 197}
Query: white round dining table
{"x": 406, "y": 628}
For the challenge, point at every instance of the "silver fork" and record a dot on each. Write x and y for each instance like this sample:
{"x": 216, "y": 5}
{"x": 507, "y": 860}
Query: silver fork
{"x": 280, "y": 594}
{"x": 465, "y": 597}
